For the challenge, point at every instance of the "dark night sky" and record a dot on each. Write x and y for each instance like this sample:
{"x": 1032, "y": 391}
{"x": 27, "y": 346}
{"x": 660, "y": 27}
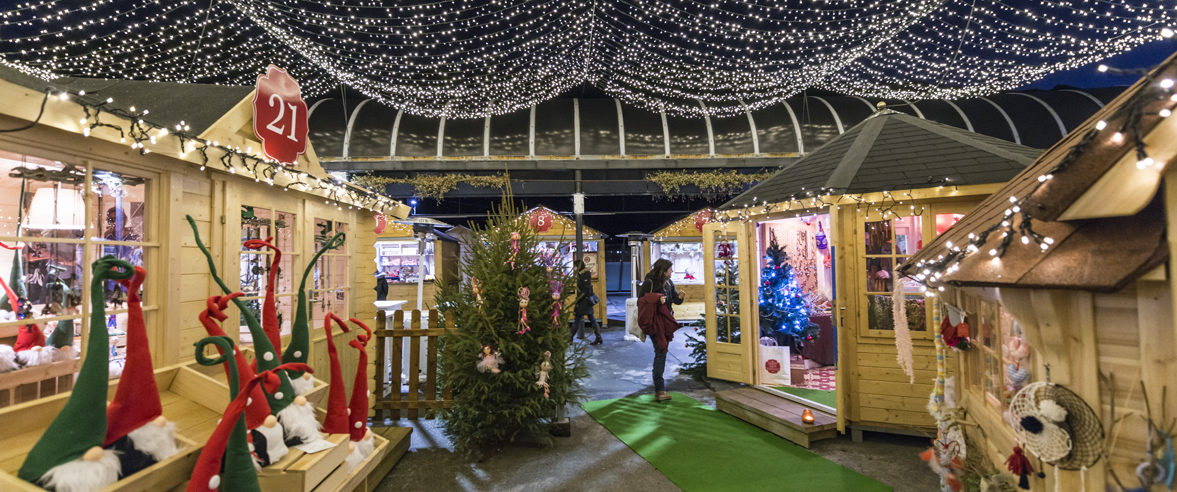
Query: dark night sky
{"x": 1144, "y": 56}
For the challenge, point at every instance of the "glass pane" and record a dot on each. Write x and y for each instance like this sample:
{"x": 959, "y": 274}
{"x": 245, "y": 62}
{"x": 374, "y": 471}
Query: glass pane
{"x": 944, "y": 221}
{"x": 61, "y": 209}
{"x": 878, "y": 275}
{"x": 910, "y": 286}
{"x": 909, "y": 235}
{"x": 256, "y": 306}
{"x": 329, "y": 301}
{"x": 880, "y": 315}
{"x": 256, "y": 223}
{"x": 119, "y": 206}
{"x": 324, "y": 229}
{"x": 339, "y": 271}
{"x": 687, "y": 260}
{"x": 342, "y": 227}
{"x": 989, "y": 324}
{"x": 284, "y": 227}
{"x": 47, "y": 276}
{"x": 115, "y": 294}
{"x": 878, "y": 238}
{"x": 254, "y": 273}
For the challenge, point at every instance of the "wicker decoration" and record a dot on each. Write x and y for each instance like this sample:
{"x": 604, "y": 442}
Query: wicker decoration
{"x": 1056, "y": 425}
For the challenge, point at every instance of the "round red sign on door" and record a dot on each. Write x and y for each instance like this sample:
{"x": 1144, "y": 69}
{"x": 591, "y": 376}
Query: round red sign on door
{"x": 772, "y": 366}
{"x": 280, "y": 116}
{"x": 702, "y": 218}
{"x": 541, "y": 221}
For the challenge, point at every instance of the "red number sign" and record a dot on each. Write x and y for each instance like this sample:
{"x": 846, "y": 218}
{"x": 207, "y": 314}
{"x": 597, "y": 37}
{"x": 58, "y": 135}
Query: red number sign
{"x": 541, "y": 221}
{"x": 280, "y": 116}
{"x": 381, "y": 223}
{"x": 702, "y": 218}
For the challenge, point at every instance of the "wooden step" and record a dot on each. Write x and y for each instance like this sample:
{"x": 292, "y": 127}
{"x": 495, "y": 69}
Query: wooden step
{"x": 776, "y": 415}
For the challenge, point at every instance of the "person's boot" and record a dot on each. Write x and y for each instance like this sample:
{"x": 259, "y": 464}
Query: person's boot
{"x": 661, "y": 396}
{"x": 598, "y": 341}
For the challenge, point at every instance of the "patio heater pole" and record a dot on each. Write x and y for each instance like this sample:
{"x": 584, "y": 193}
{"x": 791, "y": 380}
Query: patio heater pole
{"x": 422, "y": 231}
{"x": 578, "y": 208}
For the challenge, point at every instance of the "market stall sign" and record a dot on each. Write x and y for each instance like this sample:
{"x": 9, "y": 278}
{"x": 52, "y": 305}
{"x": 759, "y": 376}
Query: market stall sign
{"x": 702, "y": 218}
{"x": 541, "y": 220}
{"x": 280, "y": 116}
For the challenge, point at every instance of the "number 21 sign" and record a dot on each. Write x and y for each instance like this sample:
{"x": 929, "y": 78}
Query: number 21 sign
{"x": 280, "y": 116}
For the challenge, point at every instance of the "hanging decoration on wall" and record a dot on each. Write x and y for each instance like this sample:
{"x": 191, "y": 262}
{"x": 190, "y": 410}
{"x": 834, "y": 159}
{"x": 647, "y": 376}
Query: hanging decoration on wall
{"x": 902, "y": 330}
{"x": 434, "y": 186}
{"x": 278, "y": 100}
{"x": 955, "y": 328}
{"x": 490, "y": 360}
{"x": 1017, "y": 371}
{"x": 1056, "y": 425}
{"x": 524, "y": 300}
{"x": 381, "y": 223}
{"x": 702, "y": 218}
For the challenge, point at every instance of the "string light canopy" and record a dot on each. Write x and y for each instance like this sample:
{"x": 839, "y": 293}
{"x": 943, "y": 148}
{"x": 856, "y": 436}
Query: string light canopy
{"x": 468, "y": 58}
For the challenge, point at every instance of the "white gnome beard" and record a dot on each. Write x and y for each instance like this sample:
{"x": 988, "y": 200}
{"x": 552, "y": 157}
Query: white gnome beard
{"x": 158, "y": 442}
{"x": 83, "y": 476}
{"x": 302, "y": 386}
{"x": 7, "y": 359}
{"x": 275, "y": 446}
{"x": 299, "y": 422}
{"x": 362, "y": 450}
{"x": 60, "y": 354}
{"x": 34, "y": 357}
{"x": 115, "y": 369}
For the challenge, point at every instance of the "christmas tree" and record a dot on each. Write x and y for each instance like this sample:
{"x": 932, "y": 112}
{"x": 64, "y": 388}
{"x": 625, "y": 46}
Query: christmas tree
{"x": 783, "y": 313}
{"x": 493, "y": 356}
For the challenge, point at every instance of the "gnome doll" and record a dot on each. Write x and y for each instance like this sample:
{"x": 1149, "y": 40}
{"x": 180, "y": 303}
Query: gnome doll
{"x": 336, "y": 421}
{"x": 305, "y": 383}
{"x": 135, "y": 425}
{"x": 362, "y": 444}
{"x": 263, "y": 428}
{"x": 297, "y": 417}
{"x": 69, "y": 456}
{"x": 60, "y": 344}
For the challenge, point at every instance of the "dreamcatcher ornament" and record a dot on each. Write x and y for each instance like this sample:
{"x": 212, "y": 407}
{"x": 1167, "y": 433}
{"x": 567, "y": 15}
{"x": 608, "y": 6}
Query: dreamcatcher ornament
{"x": 1056, "y": 425}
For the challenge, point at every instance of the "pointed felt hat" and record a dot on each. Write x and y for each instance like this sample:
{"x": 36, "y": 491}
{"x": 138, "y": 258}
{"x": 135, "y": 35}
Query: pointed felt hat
{"x": 81, "y": 423}
{"x": 62, "y": 336}
{"x": 267, "y": 354}
{"x": 358, "y": 414}
{"x": 336, "y": 420}
{"x": 258, "y": 408}
{"x": 269, "y": 307}
{"x": 300, "y": 332}
{"x": 136, "y": 401}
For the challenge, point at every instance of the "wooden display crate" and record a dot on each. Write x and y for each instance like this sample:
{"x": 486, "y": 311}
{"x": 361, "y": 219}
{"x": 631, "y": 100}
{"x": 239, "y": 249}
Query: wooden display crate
{"x": 188, "y": 397}
{"x": 301, "y": 472}
{"x": 31, "y": 383}
{"x": 387, "y": 453}
{"x": 315, "y": 396}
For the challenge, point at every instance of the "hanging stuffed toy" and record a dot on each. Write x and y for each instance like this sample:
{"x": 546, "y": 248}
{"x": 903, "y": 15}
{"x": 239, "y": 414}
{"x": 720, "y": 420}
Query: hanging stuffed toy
{"x": 524, "y": 295}
{"x": 557, "y": 289}
{"x": 489, "y": 360}
{"x": 69, "y": 456}
{"x": 476, "y": 288}
{"x": 545, "y": 368}
{"x": 515, "y": 240}
{"x": 135, "y": 425}
{"x": 362, "y": 443}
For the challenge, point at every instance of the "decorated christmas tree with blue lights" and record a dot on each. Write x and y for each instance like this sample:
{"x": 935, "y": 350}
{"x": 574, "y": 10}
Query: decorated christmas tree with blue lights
{"x": 783, "y": 313}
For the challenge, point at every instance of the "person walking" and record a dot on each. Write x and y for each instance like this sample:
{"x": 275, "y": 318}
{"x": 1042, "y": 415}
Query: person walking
{"x": 586, "y": 301}
{"x": 656, "y": 298}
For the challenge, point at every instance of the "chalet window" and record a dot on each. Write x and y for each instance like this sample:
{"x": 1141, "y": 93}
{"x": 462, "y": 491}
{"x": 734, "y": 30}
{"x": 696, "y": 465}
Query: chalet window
{"x": 888, "y": 243}
{"x": 63, "y": 216}
{"x": 330, "y": 288}
{"x": 259, "y": 222}
{"x": 727, "y": 288}
{"x": 991, "y": 329}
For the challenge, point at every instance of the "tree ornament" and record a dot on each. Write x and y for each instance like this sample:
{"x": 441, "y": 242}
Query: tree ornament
{"x": 515, "y": 239}
{"x": 490, "y": 360}
{"x": 476, "y": 287}
{"x": 524, "y": 295}
{"x": 545, "y": 368}
{"x": 557, "y": 290}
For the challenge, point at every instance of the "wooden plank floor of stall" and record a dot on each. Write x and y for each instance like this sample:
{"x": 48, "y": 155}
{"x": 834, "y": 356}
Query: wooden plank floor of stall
{"x": 776, "y": 415}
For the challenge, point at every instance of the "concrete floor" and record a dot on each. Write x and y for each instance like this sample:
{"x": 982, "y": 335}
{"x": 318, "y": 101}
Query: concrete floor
{"x": 594, "y": 460}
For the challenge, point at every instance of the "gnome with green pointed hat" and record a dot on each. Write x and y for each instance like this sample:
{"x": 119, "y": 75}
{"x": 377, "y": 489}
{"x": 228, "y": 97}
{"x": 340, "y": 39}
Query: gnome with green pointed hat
{"x": 69, "y": 456}
{"x": 297, "y": 417}
{"x": 300, "y": 332}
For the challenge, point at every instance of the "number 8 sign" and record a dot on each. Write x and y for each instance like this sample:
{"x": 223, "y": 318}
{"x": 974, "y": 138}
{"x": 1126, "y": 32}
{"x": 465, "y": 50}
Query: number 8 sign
{"x": 541, "y": 221}
{"x": 280, "y": 116}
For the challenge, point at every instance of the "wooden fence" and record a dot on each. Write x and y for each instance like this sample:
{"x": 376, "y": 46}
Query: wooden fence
{"x": 393, "y": 396}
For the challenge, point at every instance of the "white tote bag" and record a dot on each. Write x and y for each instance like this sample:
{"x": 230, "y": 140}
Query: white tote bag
{"x": 774, "y": 365}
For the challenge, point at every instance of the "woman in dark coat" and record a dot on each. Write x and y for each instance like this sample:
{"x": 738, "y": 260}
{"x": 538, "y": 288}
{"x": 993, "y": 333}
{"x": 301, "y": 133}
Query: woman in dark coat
{"x": 657, "y": 281}
{"x": 584, "y": 305}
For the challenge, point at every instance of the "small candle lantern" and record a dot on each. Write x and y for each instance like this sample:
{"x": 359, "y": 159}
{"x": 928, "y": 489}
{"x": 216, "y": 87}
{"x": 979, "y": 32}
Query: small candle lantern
{"x": 807, "y": 416}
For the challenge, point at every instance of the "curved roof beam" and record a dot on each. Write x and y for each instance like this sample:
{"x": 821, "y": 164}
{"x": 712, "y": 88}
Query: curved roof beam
{"x": 316, "y": 104}
{"x": 968, "y": 124}
{"x": 1061, "y": 127}
{"x": 872, "y": 107}
{"x": 1089, "y": 96}
{"x": 796, "y": 127}
{"x": 837, "y": 120}
{"x": 914, "y": 108}
{"x": 396, "y": 125}
{"x": 752, "y": 126}
{"x": 1012, "y": 128}
{"x": 710, "y": 132}
{"x": 350, "y": 122}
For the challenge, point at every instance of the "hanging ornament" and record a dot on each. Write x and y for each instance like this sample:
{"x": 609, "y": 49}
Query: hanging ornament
{"x": 545, "y": 368}
{"x": 1019, "y": 465}
{"x": 822, "y": 241}
{"x": 476, "y": 287}
{"x": 524, "y": 295}
{"x": 557, "y": 290}
{"x": 902, "y": 331}
{"x": 490, "y": 360}
{"x": 515, "y": 239}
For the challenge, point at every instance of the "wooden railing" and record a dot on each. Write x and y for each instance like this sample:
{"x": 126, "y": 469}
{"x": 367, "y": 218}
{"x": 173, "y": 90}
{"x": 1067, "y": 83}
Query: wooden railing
{"x": 392, "y": 395}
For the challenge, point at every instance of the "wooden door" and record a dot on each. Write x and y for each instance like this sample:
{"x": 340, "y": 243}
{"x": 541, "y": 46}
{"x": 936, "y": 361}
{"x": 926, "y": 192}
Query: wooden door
{"x": 728, "y": 304}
